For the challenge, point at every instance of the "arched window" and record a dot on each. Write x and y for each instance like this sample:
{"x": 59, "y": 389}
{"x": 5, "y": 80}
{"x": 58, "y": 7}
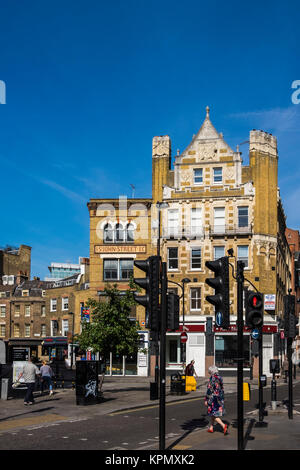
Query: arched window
{"x": 108, "y": 233}
{"x": 120, "y": 233}
{"x": 130, "y": 233}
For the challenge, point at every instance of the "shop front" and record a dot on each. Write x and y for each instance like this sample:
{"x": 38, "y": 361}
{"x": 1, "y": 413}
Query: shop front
{"x": 21, "y": 349}
{"x": 55, "y": 348}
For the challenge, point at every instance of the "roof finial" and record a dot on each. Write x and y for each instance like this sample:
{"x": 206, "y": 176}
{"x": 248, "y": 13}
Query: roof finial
{"x": 207, "y": 112}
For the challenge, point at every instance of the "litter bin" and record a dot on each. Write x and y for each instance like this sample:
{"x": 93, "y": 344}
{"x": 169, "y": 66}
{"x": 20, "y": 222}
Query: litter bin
{"x": 87, "y": 382}
{"x": 177, "y": 384}
{"x": 4, "y": 389}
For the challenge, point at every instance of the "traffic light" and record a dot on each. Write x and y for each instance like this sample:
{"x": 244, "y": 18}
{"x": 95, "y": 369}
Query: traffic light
{"x": 151, "y": 266}
{"x": 254, "y": 309}
{"x": 290, "y": 319}
{"x": 172, "y": 311}
{"x": 221, "y": 285}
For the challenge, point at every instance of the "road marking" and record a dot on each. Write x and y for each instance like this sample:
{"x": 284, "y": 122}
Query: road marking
{"x": 181, "y": 447}
{"x": 30, "y": 421}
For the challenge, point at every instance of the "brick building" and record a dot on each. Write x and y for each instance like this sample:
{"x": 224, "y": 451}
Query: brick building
{"x": 208, "y": 202}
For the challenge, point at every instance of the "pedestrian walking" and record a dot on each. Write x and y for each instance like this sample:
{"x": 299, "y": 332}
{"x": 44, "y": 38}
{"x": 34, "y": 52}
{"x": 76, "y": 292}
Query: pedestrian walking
{"x": 214, "y": 399}
{"x": 190, "y": 369}
{"x": 46, "y": 377}
{"x": 285, "y": 368}
{"x": 29, "y": 373}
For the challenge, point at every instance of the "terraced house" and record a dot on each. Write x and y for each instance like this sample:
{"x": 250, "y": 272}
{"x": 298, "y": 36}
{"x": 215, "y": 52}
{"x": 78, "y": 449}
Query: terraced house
{"x": 205, "y": 201}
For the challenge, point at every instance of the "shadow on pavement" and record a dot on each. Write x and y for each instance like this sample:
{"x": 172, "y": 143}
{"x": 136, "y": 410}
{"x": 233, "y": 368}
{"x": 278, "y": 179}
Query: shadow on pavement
{"x": 190, "y": 426}
{"x": 27, "y": 413}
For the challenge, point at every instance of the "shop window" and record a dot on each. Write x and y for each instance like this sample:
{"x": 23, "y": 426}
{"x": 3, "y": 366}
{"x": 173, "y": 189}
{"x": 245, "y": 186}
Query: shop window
{"x": 226, "y": 351}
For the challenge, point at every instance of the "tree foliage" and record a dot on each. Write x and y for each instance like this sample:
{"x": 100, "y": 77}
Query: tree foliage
{"x": 110, "y": 329}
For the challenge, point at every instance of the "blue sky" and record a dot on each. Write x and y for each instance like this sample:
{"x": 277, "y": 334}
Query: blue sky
{"x": 89, "y": 83}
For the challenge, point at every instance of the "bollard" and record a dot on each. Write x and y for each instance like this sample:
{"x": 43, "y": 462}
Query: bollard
{"x": 4, "y": 389}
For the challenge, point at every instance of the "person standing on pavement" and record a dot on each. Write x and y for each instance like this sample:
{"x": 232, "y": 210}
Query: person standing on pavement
{"x": 46, "y": 377}
{"x": 190, "y": 369}
{"x": 214, "y": 399}
{"x": 29, "y": 373}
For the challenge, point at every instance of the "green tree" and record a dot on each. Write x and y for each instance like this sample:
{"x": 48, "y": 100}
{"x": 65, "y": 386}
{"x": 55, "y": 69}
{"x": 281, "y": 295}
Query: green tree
{"x": 110, "y": 328}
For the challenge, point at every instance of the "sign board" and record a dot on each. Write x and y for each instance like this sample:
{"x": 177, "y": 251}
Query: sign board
{"x": 270, "y": 301}
{"x": 85, "y": 314}
{"x": 183, "y": 337}
{"x": 17, "y": 368}
{"x": 20, "y": 354}
{"x": 120, "y": 249}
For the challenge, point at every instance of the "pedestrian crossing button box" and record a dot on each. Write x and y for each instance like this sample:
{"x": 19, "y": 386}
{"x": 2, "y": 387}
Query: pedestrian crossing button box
{"x": 274, "y": 366}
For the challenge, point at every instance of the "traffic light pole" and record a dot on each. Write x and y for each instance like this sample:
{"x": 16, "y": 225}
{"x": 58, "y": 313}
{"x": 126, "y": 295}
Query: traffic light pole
{"x": 162, "y": 370}
{"x": 289, "y": 351}
{"x": 240, "y": 353}
{"x": 260, "y": 373}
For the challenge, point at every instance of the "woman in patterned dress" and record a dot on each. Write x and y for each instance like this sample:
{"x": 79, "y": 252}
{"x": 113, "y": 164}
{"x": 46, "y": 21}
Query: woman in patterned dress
{"x": 214, "y": 399}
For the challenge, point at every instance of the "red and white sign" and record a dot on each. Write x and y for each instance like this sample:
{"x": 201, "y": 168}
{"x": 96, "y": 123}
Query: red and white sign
{"x": 183, "y": 337}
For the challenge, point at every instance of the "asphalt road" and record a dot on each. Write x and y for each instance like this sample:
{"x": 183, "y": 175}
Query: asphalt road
{"x": 132, "y": 429}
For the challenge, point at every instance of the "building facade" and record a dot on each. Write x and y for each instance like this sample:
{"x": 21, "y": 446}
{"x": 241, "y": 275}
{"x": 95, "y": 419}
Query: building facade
{"x": 205, "y": 201}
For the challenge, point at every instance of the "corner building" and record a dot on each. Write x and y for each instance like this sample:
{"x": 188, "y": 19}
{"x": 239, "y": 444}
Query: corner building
{"x": 215, "y": 203}
{"x": 212, "y": 203}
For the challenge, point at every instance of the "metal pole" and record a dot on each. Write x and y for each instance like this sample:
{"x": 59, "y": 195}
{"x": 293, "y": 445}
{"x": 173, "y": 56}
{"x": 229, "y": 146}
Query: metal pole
{"x": 184, "y": 344}
{"x": 72, "y": 350}
{"x": 260, "y": 371}
{"x": 162, "y": 396}
{"x": 289, "y": 347}
{"x": 240, "y": 353}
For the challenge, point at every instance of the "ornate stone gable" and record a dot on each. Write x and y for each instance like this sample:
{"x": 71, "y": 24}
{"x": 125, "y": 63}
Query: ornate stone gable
{"x": 207, "y": 145}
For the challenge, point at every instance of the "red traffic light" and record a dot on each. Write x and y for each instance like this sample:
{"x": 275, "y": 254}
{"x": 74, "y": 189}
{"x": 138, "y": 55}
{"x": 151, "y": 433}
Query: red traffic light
{"x": 255, "y": 300}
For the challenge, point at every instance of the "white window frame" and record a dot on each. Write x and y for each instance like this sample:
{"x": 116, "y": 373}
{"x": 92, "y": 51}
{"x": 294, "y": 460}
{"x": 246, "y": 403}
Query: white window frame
{"x": 196, "y": 221}
{"x": 170, "y": 248}
{"x": 27, "y": 311}
{"x": 173, "y": 222}
{"x": 53, "y": 302}
{"x": 17, "y": 313}
{"x": 191, "y": 258}
{"x": 64, "y": 302}
{"x": 195, "y": 298}
{"x": 65, "y": 323}
{"x": 27, "y": 330}
{"x": 43, "y": 310}
{"x": 217, "y": 176}
{"x": 219, "y": 218}
{"x": 43, "y": 329}
{"x": 219, "y": 246}
{"x": 243, "y": 258}
{"x": 197, "y": 183}
{"x": 2, "y": 327}
{"x": 3, "y": 313}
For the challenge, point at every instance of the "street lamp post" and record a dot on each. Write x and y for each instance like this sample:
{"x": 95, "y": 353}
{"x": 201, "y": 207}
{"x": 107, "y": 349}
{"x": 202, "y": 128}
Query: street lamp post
{"x": 72, "y": 345}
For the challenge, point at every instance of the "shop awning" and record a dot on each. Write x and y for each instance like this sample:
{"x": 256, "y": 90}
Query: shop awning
{"x": 55, "y": 341}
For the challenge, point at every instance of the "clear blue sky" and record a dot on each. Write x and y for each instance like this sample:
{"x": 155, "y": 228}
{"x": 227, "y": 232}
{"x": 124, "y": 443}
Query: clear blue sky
{"x": 89, "y": 83}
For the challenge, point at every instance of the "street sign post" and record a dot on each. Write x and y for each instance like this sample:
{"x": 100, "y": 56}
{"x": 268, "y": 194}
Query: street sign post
{"x": 183, "y": 337}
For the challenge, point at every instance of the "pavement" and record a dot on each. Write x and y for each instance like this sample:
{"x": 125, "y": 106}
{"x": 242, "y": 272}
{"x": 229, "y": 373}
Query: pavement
{"x": 124, "y": 393}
